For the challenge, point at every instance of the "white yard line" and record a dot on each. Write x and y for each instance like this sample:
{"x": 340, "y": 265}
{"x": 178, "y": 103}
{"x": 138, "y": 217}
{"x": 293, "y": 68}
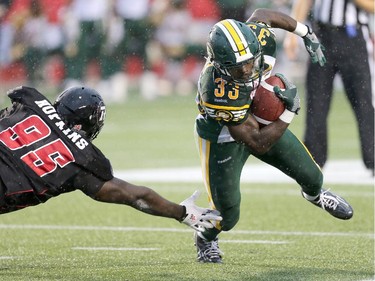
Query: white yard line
{"x": 272, "y": 242}
{"x": 114, "y": 249}
{"x": 335, "y": 172}
{"x": 6, "y": 257}
{"x": 154, "y": 229}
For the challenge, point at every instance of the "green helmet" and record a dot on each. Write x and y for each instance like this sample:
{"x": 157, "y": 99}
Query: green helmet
{"x": 235, "y": 52}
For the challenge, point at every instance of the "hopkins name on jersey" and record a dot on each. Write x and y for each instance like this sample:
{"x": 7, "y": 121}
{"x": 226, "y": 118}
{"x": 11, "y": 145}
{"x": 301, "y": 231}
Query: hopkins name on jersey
{"x": 40, "y": 157}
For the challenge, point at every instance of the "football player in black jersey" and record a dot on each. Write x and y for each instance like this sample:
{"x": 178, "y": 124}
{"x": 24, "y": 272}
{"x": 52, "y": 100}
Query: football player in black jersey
{"x": 46, "y": 150}
{"x": 240, "y": 56}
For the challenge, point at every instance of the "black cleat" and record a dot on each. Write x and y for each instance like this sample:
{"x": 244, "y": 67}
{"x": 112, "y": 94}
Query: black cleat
{"x": 333, "y": 204}
{"x": 208, "y": 251}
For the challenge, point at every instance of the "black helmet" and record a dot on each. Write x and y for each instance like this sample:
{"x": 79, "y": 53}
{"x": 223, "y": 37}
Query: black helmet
{"x": 82, "y": 107}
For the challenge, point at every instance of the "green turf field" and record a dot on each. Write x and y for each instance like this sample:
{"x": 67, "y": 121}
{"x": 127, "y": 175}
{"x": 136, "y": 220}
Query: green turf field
{"x": 280, "y": 236}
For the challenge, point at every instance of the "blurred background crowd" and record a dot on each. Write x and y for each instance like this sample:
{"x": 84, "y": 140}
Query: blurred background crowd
{"x": 152, "y": 47}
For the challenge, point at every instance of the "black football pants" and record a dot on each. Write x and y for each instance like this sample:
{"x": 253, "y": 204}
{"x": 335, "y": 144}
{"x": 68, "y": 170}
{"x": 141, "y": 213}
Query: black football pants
{"x": 347, "y": 57}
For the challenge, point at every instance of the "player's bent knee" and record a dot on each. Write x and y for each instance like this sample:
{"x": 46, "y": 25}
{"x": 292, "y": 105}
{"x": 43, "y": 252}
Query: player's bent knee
{"x": 230, "y": 218}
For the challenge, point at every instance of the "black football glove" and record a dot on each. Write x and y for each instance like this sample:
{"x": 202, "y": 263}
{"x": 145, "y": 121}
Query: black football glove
{"x": 289, "y": 96}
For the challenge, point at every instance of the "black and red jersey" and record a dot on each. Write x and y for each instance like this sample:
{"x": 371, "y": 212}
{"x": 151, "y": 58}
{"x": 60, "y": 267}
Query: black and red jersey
{"x": 40, "y": 157}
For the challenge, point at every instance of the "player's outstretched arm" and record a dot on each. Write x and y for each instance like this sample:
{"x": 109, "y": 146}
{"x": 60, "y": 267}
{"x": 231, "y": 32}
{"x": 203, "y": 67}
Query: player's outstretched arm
{"x": 274, "y": 19}
{"x": 367, "y": 5}
{"x": 277, "y": 19}
{"x": 148, "y": 201}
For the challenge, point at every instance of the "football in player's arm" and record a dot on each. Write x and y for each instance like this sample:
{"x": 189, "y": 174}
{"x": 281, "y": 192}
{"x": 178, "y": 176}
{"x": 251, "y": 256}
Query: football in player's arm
{"x": 46, "y": 150}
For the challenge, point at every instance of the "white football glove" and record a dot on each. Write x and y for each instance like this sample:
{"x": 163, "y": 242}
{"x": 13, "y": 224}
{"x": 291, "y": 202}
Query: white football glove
{"x": 199, "y": 218}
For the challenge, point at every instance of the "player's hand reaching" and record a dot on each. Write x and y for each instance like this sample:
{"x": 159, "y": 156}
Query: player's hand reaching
{"x": 199, "y": 218}
{"x": 314, "y": 47}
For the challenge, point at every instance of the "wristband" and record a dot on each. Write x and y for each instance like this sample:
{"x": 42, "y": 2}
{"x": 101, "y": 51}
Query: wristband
{"x": 287, "y": 116}
{"x": 184, "y": 216}
{"x": 301, "y": 29}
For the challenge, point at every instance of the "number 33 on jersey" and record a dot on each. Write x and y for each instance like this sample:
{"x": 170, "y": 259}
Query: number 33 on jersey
{"x": 222, "y": 101}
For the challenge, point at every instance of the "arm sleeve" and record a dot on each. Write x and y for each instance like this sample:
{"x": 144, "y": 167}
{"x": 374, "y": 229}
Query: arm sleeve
{"x": 86, "y": 182}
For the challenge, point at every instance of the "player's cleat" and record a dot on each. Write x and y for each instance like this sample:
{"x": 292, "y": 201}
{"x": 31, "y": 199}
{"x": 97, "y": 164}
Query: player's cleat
{"x": 208, "y": 251}
{"x": 333, "y": 204}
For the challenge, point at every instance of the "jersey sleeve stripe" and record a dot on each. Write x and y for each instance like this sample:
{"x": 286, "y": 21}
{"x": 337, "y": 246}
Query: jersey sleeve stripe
{"x": 209, "y": 105}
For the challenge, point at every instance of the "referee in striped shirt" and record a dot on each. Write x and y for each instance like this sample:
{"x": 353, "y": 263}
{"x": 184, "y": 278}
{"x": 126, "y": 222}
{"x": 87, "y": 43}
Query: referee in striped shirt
{"x": 342, "y": 28}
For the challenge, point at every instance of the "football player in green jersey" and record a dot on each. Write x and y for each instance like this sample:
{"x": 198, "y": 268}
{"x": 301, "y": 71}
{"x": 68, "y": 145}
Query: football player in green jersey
{"x": 239, "y": 56}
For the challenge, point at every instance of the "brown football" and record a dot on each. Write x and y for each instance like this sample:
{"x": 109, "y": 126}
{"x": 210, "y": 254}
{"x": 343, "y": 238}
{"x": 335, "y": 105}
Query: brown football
{"x": 266, "y": 107}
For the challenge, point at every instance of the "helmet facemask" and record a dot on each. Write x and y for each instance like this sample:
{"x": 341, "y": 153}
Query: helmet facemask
{"x": 248, "y": 74}
{"x": 96, "y": 121}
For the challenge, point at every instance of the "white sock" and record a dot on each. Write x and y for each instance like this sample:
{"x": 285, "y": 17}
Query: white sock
{"x": 309, "y": 197}
{"x": 202, "y": 236}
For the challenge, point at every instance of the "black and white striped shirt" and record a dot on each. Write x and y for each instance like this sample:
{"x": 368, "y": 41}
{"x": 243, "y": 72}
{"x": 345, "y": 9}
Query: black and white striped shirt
{"x": 339, "y": 13}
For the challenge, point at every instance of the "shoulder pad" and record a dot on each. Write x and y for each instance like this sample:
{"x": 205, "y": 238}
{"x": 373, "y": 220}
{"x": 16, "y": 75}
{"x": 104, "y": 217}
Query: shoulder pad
{"x": 206, "y": 79}
{"x": 266, "y": 37}
{"x": 24, "y": 93}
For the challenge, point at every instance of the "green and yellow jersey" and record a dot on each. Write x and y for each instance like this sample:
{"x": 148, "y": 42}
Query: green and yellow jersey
{"x": 221, "y": 102}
